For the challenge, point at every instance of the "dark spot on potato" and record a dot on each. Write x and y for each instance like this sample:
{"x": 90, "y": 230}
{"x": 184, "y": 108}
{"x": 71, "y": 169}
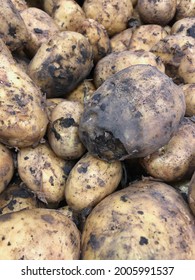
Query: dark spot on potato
{"x": 96, "y": 97}
{"x": 101, "y": 182}
{"x": 140, "y": 212}
{"x": 3, "y": 238}
{"x": 124, "y": 198}
{"x": 12, "y": 31}
{"x": 26, "y": 158}
{"x": 8, "y": 243}
{"x": 191, "y": 31}
{"x": 88, "y": 187}
{"x": 103, "y": 107}
{"x": 22, "y": 192}
{"x": 48, "y": 218}
{"x": 32, "y": 170}
{"x": 6, "y": 217}
{"x": 143, "y": 240}
{"x": 94, "y": 242}
{"x": 73, "y": 47}
{"x": 38, "y": 30}
{"x": 67, "y": 122}
{"x": 51, "y": 180}
{"x": 54, "y": 131}
{"x": 83, "y": 167}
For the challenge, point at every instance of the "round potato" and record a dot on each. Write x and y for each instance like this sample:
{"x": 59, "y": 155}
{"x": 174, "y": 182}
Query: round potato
{"x": 186, "y": 68}
{"x": 184, "y": 26}
{"x": 157, "y": 12}
{"x": 62, "y": 63}
{"x": 185, "y": 8}
{"x": 6, "y": 167}
{"x": 63, "y": 130}
{"x": 113, "y": 15}
{"x": 92, "y": 179}
{"x": 119, "y": 119}
{"x": 121, "y": 41}
{"x": 146, "y": 221}
{"x": 189, "y": 92}
{"x": 38, "y": 234}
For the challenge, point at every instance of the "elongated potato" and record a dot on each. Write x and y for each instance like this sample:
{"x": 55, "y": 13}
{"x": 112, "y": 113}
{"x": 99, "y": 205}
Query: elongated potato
{"x": 92, "y": 179}
{"x": 189, "y": 92}
{"x": 38, "y": 234}
{"x": 6, "y": 167}
{"x": 146, "y": 221}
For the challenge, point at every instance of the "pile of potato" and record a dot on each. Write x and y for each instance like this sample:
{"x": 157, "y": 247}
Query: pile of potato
{"x": 97, "y": 129}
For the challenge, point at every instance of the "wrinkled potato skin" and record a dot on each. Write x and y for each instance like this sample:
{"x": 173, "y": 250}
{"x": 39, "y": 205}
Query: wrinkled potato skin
{"x": 144, "y": 98}
{"x": 63, "y": 130}
{"x": 185, "y": 8}
{"x": 115, "y": 62}
{"x": 173, "y": 161}
{"x": 113, "y": 15}
{"x": 184, "y": 26}
{"x": 186, "y": 68}
{"x": 157, "y": 12}
{"x": 40, "y": 27}
{"x": 121, "y": 41}
{"x": 189, "y": 92}
{"x": 38, "y": 234}
{"x": 92, "y": 179}
{"x": 134, "y": 224}
{"x": 146, "y": 36}
{"x": 62, "y": 63}
{"x": 191, "y": 194}
{"x": 43, "y": 172}
{"x": 6, "y": 167}
{"x": 83, "y": 92}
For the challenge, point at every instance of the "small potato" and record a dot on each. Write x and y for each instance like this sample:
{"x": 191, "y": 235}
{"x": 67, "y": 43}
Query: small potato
{"x": 63, "y": 130}
{"x": 115, "y": 62}
{"x": 186, "y": 68}
{"x": 40, "y": 27}
{"x": 38, "y": 234}
{"x": 113, "y": 15}
{"x": 43, "y": 172}
{"x": 6, "y": 167}
{"x": 146, "y": 36}
{"x": 185, "y": 8}
{"x": 121, "y": 41}
{"x": 184, "y": 26}
{"x": 191, "y": 194}
{"x": 189, "y": 92}
{"x": 92, "y": 179}
{"x": 157, "y": 12}
{"x": 62, "y": 63}
{"x": 97, "y": 36}
{"x": 175, "y": 160}
{"x": 51, "y": 104}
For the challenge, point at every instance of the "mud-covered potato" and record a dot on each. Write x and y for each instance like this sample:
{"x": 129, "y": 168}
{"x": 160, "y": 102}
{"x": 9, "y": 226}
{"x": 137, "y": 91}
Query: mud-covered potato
{"x": 157, "y": 12}
{"x": 185, "y": 8}
{"x": 186, "y": 68}
{"x": 113, "y": 15}
{"x": 146, "y": 36}
{"x": 115, "y": 62}
{"x": 121, "y": 41}
{"x": 184, "y": 26}
{"x": 38, "y": 234}
{"x": 67, "y": 14}
{"x": 97, "y": 36}
{"x": 40, "y": 27}
{"x": 191, "y": 194}
{"x": 119, "y": 119}
{"x": 176, "y": 159}
{"x": 43, "y": 172}
{"x": 63, "y": 130}
{"x": 12, "y": 28}
{"x": 146, "y": 221}
{"x": 6, "y": 167}
{"x": 92, "y": 179}
{"x": 62, "y": 63}
{"x": 189, "y": 92}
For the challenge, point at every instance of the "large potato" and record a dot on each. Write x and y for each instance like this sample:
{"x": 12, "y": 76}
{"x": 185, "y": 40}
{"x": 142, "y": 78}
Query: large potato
{"x": 62, "y": 63}
{"x": 119, "y": 119}
{"x": 146, "y": 221}
{"x": 92, "y": 179}
{"x": 38, "y": 234}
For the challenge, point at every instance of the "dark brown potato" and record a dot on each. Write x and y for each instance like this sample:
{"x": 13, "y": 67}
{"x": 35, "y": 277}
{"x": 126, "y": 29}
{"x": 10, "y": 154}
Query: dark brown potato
{"x": 120, "y": 118}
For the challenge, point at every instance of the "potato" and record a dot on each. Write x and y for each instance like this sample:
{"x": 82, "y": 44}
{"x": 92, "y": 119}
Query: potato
{"x": 119, "y": 119}
{"x": 67, "y": 14}
{"x": 146, "y": 221}
{"x": 189, "y": 92}
{"x": 185, "y": 8}
{"x": 173, "y": 161}
{"x": 43, "y": 172}
{"x": 191, "y": 194}
{"x": 184, "y": 26}
{"x": 17, "y": 197}
{"x": 157, "y": 12}
{"x": 12, "y": 29}
{"x": 63, "y": 130}
{"x": 83, "y": 92}
{"x": 146, "y": 36}
{"x": 121, "y": 41}
{"x": 115, "y": 62}
{"x": 23, "y": 118}
{"x": 113, "y": 15}
{"x": 92, "y": 179}
{"x": 51, "y": 104}
{"x": 62, "y": 63}
{"x": 40, "y": 27}
{"x": 186, "y": 68}
{"x": 97, "y": 36}
{"x": 6, "y": 167}
{"x": 38, "y": 234}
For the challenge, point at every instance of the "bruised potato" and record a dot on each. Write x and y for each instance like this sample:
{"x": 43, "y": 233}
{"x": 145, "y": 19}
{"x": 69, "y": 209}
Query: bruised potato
{"x": 61, "y": 63}
{"x": 6, "y": 167}
{"x": 146, "y": 221}
{"x": 92, "y": 179}
{"x": 189, "y": 92}
{"x": 38, "y": 234}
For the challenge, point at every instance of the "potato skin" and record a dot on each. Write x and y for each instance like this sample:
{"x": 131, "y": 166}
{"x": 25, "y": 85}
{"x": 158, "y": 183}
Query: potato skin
{"x": 185, "y": 8}
{"x": 6, "y": 167}
{"x": 184, "y": 26}
{"x": 38, "y": 234}
{"x": 119, "y": 119}
{"x": 186, "y": 68}
{"x": 121, "y": 41}
{"x": 62, "y": 63}
{"x": 189, "y": 92}
{"x": 146, "y": 221}
{"x": 92, "y": 179}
